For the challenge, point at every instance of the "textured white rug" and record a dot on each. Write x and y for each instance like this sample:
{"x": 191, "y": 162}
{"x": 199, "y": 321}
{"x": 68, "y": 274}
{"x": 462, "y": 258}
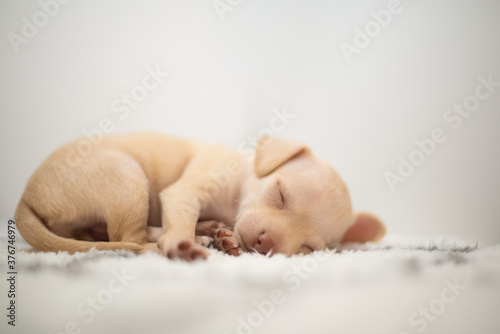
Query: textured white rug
{"x": 399, "y": 285}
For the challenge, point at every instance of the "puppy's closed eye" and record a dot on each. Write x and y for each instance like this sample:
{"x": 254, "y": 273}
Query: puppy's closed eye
{"x": 275, "y": 196}
{"x": 279, "y": 198}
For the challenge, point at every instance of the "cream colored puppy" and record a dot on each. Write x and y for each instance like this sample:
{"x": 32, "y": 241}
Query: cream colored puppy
{"x": 285, "y": 200}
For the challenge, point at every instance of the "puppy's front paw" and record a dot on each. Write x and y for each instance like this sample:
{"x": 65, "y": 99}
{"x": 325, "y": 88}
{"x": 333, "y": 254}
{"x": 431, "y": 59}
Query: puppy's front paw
{"x": 185, "y": 250}
{"x": 226, "y": 242}
{"x": 209, "y": 228}
{"x": 221, "y": 235}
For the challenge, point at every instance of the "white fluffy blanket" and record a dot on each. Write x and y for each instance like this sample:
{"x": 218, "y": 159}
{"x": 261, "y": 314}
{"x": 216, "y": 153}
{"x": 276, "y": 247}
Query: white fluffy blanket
{"x": 396, "y": 286}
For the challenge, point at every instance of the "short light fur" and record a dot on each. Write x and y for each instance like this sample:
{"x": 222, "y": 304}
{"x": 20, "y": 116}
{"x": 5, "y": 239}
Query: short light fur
{"x": 148, "y": 192}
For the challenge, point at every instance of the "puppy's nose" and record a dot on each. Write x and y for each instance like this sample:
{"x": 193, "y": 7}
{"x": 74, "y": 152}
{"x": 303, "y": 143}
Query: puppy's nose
{"x": 263, "y": 244}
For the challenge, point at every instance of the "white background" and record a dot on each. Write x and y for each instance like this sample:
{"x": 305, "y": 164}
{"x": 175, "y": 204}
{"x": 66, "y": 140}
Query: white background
{"x": 227, "y": 76}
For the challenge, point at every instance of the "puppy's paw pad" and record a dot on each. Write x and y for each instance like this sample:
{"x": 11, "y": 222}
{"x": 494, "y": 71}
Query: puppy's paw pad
{"x": 223, "y": 232}
{"x": 184, "y": 245}
{"x": 229, "y": 243}
{"x": 235, "y": 251}
{"x": 199, "y": 254}
{"x": 185, "y": 250}
{"x": 226, "y": 242}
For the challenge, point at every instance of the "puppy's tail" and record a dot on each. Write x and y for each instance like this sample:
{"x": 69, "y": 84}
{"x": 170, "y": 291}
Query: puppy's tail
{"x": 34, "y": 231}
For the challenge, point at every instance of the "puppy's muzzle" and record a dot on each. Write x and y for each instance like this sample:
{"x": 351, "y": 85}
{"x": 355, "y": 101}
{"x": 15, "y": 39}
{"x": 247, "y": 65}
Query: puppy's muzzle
{"x": 263, "y": 244}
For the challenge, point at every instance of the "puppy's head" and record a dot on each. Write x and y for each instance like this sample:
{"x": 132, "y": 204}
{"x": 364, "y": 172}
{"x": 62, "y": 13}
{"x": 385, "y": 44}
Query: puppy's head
{"x": 297, "y": 203}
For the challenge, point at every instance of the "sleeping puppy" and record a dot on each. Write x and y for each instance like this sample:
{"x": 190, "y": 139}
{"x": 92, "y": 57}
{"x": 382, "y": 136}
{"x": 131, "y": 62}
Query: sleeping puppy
{"x": 145, "y": 192}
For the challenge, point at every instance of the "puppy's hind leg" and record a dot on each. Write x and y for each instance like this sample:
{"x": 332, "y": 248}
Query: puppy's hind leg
{"x": 126, "y": 195}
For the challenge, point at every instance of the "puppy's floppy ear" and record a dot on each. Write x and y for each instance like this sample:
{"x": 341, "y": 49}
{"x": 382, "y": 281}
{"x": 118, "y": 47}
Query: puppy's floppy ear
{"x": 365, "y": 227}
{"x": 271, "y": 153}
